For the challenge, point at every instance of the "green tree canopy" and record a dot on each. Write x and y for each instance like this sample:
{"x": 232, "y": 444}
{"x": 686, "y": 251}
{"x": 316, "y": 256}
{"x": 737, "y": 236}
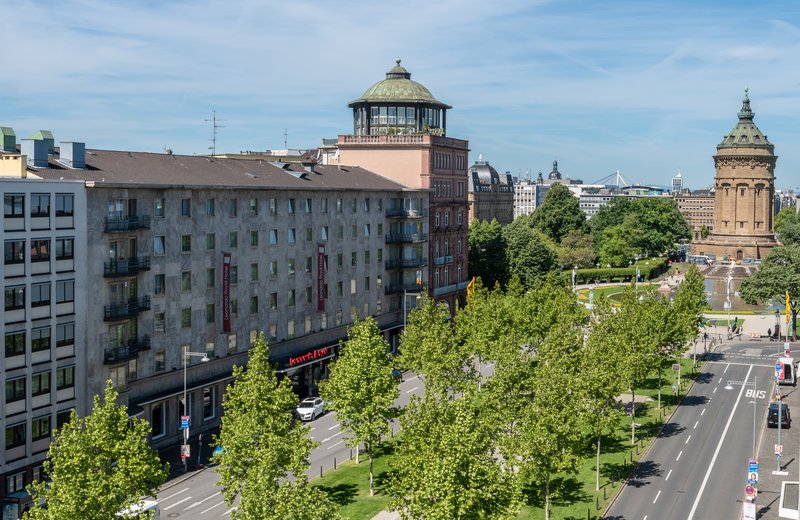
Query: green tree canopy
{"x": 787, "y": 226}
{"x": 361, "y": 387}
{"x": 487, "y": 252}
{"x": 779, "y": 273}
{"x": 576, "y": 248}
{"x": 559, "y": 213}
{"x": 528, "y": 254}
{"x": 98, "y": 465}
{"x": 265, "y": 456}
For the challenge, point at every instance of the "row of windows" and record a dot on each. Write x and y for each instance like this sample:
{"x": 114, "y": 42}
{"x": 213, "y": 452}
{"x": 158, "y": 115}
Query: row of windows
{"x": 158, "y": 413}
{"x": 14, "y": 205}
{"x": 16, "y": 436}
{"x": 292, "y": 206}
{"x": 39, "y": 251}
{"x": 445, "y": 189}
{"x": 14, "y": 342}
{"x": 40, "y": 383}
{"x": 437, "y": 218}
{"x": 459, "y": 247}
{"x": 40, "y": 294}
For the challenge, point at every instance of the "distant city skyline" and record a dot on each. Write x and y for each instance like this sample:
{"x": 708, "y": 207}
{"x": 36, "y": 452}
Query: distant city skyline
{"x": 646, "y": 88}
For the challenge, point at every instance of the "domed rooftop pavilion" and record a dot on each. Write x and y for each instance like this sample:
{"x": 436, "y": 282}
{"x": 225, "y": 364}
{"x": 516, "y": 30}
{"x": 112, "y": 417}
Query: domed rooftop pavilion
{"x": 398, "y": 105}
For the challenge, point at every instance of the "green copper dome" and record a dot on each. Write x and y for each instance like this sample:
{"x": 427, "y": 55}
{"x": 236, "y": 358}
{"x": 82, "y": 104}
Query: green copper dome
{"x": 398, "y": 87}
{"x": 745, "y": 134}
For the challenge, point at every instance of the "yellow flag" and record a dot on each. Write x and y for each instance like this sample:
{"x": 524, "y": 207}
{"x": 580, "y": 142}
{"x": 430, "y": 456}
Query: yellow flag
{"x": 788, "y": 308}
{"x": 471, "y": 287}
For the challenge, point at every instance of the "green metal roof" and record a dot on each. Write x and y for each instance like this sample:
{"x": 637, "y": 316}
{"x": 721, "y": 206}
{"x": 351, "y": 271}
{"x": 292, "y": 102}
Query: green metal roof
{"x": 6, "y": 131}
{"x": 745, "y": 134}
{"x": 398, "y": 87}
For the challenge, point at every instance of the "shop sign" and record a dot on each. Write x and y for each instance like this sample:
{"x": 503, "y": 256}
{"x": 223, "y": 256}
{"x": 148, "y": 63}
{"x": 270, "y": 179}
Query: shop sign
{"x": 309, "y": 356}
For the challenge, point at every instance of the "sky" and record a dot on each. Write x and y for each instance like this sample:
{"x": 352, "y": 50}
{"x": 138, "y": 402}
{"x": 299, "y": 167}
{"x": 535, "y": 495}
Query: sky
{"x": 646, "y": 88}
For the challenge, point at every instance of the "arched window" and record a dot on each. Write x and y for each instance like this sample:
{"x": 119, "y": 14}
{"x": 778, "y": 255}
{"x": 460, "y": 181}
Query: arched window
{"x": 446, "y": 247}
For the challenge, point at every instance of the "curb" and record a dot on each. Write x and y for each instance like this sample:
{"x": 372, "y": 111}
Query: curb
{"x": 183, "y": 478}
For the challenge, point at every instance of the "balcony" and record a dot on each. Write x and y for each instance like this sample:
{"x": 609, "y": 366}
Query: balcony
{"x": 403, "y": 287}
{"x": 441, "y": 260}
{"x": 127, "y": 352}
{"x": 403, "y": 263}
{"x": 400, "y": 238}
{"x": 123, "y": 311}
{"x": 126, "y": 267}
{"x": 127, "y": 223}
{"x": 406, "y": 213}
{"x": 447, "y": 289}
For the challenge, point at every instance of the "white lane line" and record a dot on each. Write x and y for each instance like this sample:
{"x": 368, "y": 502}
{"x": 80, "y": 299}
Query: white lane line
{"x": 331, "y": 437}
{"x": 312, "y": 429}
{"x": 668, "y": 474}
{"x": 695, "y": 424}
{"x": 334, "y": 426}
{"x": 412, "y": 378}
{"x": 204, "y": 500}
{"x": 679, "y": 456}
{"x": 657, "y": 495}
{"x": 228, "y": 511}
{"x": 334, "y": 445}
{"x": 177, "y": 503}
{"x": 704, "y": 411}
{"x": 715, "y": 390}
{"x": 719, "y": 446}
{"x": 720, "y": 380}
{"x": 212, "y": 507}
{"x": 415, "y": 388}
{"x": 687, "y": 440}
{"x": 726, "y": 368}
{"x": 645, "y": 517}
{"x": 174, "y": 494}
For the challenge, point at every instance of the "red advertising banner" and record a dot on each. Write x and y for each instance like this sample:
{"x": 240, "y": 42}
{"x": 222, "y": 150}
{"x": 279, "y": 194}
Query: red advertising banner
{"x": 310, "y": 356}
{"x": 320, "y": 278}
{"x": 226, "y": 292}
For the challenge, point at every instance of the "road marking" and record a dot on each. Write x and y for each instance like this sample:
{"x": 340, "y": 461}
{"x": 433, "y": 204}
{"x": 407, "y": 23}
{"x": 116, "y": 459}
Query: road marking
{"x": 704, "y": 411}
{"x": 719, "y": 446}
{"x": 334, "y": 445}
{"x": 312, "y": 429}
{"x": 715, "y": 390}
{"x": 412, "y": 378}
{"x": 332, "y": 437}
{"x": 175, "y": 494}
{"x": 228, "y": 511}
{"x": 726, "y": 368}
{"x": 645, "y": 517}
{"x": 334, "y": 426}
{"x": 212, "y": 507}
{"x": 177, "y": 503}
{"x": 657, "y": 495}
{"x": 687, "y": 440}
{"x": 695, "y": 424}
{"x": 668, "y": 474}
{"x": 720, "y": 380}
{"x": 415, "y": 388}
{"x": 679, "y": 456}
{"x": 204, "y": 500}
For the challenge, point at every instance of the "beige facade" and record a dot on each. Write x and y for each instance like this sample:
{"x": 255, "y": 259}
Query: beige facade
{"x": 697, "y": 207}
{"x": 491, "y": 195}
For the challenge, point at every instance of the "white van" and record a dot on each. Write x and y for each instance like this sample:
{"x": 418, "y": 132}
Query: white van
{"x": 789, "y": 371}
{"x": 145, "y": 506}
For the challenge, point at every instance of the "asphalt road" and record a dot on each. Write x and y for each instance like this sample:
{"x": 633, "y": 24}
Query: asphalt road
{"x": 697, "y": 468}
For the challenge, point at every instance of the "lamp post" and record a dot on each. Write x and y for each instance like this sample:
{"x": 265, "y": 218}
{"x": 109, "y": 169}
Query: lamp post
{"x": 186, "y": 411}
{"x": 729, "y": 281}
{"x": 777, "y": 326}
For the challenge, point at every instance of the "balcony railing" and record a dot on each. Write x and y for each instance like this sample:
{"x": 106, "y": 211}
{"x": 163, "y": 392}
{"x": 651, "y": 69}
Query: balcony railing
{"x": 122, "y": 311}
{"x": 126, "y": 267}
{"x": 400, "y": 263}
{"x": 406, "y": 213}
{"x": 441, "y": 260}
{"x": 398, "y": 238}
{"x": 447, "y": 289}
{"x": 127, "y": 352}
{"x": 398, "y": 288}
{"x": 128, "y": 223}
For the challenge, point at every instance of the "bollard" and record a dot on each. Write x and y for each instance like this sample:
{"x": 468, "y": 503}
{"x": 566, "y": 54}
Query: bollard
{"x": 604, "y": 493}
{"x": 351, "y": 453}
{"x": 334, "y": 463}
{"x": 588, "y": 514}
{"x": 597, "y": 503}
{"x": 631, "y": 456}
{"x": 320, "y": 471}
{"x": 637, "y": 448}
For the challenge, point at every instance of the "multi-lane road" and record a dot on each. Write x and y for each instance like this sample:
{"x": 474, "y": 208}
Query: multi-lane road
{"x": 697, "y": 468}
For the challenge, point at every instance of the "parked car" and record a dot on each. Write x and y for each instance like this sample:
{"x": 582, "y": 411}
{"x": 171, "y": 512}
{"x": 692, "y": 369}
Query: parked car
{"x": 310, "y": 408}
{"x": 786, "y": 416}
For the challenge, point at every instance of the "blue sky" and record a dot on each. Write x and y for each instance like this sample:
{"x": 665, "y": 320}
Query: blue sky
{"x": 643, "y": 87}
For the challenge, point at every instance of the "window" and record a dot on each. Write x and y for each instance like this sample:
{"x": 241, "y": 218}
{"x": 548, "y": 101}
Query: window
{"x": 40, "y": 428}
{"x": 253, "y": 205}
{"x": 65, "y": 205}
{"x": 233, "y": 207}
{"x": 232, "y": 348}
{"x": 253, "y": 272}
{"x": 308, "y": 264}
{"x": 186, "y": 207}
{"x": 291, "y": 236}
{"x": 15, "y": 298}
{"x": 65, "y": 377}
{"x": 273, "y": 207}
{"x": 233, "y": 239}
{"x": 290, "y": 328}
{"x": 323, "y": 322}
{"x": 460, "y": 217}
{"x": 366, "y": 283}
{"x": 290, "y": 299}
{"x": 308, "y": 324}
{"x": 379, "y": 282}
{"x": 366, "y": 230}
{"x": 273, "y": 332}
{"x": 380, "y": 204}
{"x": 324, "y": 233}
{"x": 309, "y": 234}
{"x": 65, "y": 334}
{"x": 254, "y": 238}
{"x": 308, "y": 205}
{"x": 436, "y": 220}
{"x": 354, "y": 258}
{"x": 209, "y": 402}
{"x": 14, "y": 206}
{"x": 354, "y": 205}
{"x": 458, "y": 246}
{"x": 378, "y": 307}
{"x": 159, "y": 246}
{"x": 40, "y": 250}
{"x": 380, "y": 230}
{"x": 254, "y": 305}
{"x": 291, "y": 267}
{"x": 273, "y": 301}
{"x": 211, "y": 241}
{"x": 15, "y": 437}
{"x": 233, "y": 274}
{"x": 15, "y": 344}
{"x": 340, "y": 232}
{"x": 339, "y": 260}
{"x": 64, "y": 248}
{"x": 353, "y": 286}
{"x": 159, "y": 361}
{"x": 186, "y": 243}
{"x": 186, "y": 281}
{"x": 446, "y": 218}
{"x": 308, "y": 294}
{"x": 291, "y": 206}
{"x": 273, "y": 237}
{"x": 63, "y": 417}
{"x": 339, "y": 288}
{"x": 366, "y": 257}
{"x": 40, "y": 383}
{"x": 158, "y": 207}
{"x": 158, "y": 284}
{"x": 324, "y": 205}
{"x": 14, "y": 252}
{"x": 339, "y": 205}
{"x": 40, "y": 294}
{"x": 339, "y": 317}
{"x": 15, "y": 390}
{"x": 209, "y": 313}
{"x": 366, "y": 205}
{"x": 40, "y": 339}
{"x": 158, "y": 420}
{"x": 273, "y": 268}
{"x": 186, "y": 317}
{"x": 353, "y": 231}
{"x": 158, "y": 322}
{"x": 210, "y": 207}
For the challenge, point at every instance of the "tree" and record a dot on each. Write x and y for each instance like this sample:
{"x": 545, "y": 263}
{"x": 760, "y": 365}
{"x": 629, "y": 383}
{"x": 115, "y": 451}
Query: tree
{"x": 98, "y": 465}
{"x": 361, "y": 387}
{"x": 779, "y": 273}
{"x": 265, "y": 455}
{"x": 576, "y": 248}
{"x": 787, "y": 226}
{"x": 487, "y": 252}
{"x": 559, "y": 213}
{"x": 528, "y": 255}
{"x": 615, "y": 248}
{"x": 704, "y": 231}
{"x": 445, "y": 466}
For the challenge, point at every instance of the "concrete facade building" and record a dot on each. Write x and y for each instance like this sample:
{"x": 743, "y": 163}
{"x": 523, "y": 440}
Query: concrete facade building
{"x": 744, "y": 193}
{"x": 491, "y": 195}
{"x": 697, "y": 207}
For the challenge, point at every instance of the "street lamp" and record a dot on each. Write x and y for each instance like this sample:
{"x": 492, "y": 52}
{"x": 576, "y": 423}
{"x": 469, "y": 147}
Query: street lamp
{"x": 186, "y": 411}
{"x": 729, "y": 281}
{"x": 777, "y": 325}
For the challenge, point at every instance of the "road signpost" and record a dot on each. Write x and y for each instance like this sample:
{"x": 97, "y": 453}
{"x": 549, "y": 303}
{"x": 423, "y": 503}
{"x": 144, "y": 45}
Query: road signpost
{"x": 749, "y": 511}
{"x": 752, "y": 472}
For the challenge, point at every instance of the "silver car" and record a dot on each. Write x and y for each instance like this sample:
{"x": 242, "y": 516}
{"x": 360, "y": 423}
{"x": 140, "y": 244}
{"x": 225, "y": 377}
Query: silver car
{"x": 310, "y": 408}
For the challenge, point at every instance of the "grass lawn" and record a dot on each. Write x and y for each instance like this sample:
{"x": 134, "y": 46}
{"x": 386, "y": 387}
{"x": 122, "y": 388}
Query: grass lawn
{"x": 573, "y": 496}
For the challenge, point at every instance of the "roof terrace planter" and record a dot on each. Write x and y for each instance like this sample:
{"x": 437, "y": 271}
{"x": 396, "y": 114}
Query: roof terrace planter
{"x": 129, "y": 223}
{"x": 402, "y": 287}
{"x": 406, "y": 238}
{"x": 123, "y": 311}
{"x": 130, "y": 351}
{"x": 402, "y": 263}
{"x": 128, "y": 266}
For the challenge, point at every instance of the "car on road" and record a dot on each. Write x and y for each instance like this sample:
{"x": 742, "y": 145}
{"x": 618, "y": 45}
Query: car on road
{"x": 786, "y": 416}
{"x": 310, "y": 408}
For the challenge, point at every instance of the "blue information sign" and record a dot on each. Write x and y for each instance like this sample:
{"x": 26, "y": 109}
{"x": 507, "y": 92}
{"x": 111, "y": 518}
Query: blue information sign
{"x": 184, "y": 421}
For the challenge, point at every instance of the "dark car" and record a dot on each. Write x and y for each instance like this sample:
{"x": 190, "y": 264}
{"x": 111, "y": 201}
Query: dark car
{"x": 772, "y": 418}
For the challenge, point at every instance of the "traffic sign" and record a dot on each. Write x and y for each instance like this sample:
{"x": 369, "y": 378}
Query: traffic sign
{"x": 778, "y": 450}
{"x": 750, "y": 491}
{"x": 787, "y": 349}
{"x": 185, "y": 451}
{"x": 184, "y": 421}
{"x": 752, "y": 465}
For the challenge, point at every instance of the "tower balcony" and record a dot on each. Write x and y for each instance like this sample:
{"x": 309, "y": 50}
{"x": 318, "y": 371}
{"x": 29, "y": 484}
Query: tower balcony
{"x": 123, "y": 311}
{"x": 130, "y": 350}
{"x": 406, "y": 238}
{"x": 126, "y": 267}
{"x": 126, "y": 223}
{"x": 403, "y": 287}
{"x": 406, "y": 213}
{"x": 405, "y": 263}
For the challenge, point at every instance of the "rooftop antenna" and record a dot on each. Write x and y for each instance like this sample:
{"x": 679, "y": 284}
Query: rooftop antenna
{"x": 213, "y": 139}
{"x": 285, "y": 139}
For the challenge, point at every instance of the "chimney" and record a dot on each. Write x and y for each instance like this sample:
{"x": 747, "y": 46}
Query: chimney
{"x": 8, "y": 140}
{"x": 36, "y": 150}
{"x": 73, "y": 154}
